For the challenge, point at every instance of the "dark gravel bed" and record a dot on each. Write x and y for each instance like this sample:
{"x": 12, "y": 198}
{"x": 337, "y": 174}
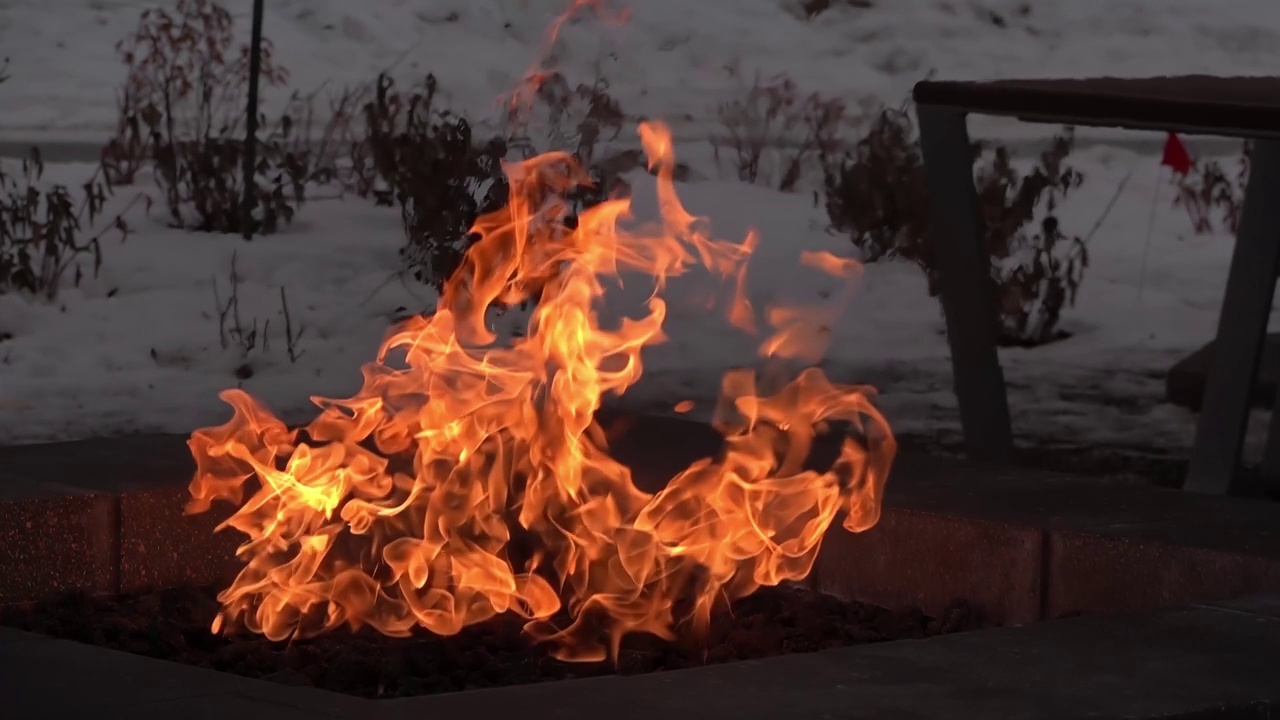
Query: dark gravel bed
{"x": 173, "y": 625}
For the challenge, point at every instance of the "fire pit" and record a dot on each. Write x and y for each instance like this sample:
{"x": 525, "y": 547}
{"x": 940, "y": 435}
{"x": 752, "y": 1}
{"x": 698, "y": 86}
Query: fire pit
{"x": 460, "y": 521}
{"x": 174, "y": 625}
{"x": 470, "y": 479}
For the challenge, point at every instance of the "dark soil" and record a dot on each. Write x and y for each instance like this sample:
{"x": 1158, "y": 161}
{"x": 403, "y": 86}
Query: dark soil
{"x": 174, "y": 625}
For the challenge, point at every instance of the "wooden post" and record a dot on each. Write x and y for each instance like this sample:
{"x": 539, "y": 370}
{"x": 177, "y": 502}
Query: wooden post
{"x": 251, "y": 122}
{"x": 1242, "y": 330}
{"x": 964, "y": 278}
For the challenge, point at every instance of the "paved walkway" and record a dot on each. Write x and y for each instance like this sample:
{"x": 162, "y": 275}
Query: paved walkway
{"x": 1207, "y": 661}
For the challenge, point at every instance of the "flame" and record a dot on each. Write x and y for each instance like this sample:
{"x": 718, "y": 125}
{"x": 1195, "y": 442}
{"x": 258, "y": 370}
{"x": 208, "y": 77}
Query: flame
{"x": 521, "y": 100}
{"x": 468, "y": 477}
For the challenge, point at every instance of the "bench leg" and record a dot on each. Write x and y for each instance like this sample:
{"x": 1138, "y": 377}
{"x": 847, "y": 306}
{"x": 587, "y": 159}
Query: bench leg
{"x": 964, "y": 276}
{"x": 1242, "y": 328}
{"x": 1270, "y": 471}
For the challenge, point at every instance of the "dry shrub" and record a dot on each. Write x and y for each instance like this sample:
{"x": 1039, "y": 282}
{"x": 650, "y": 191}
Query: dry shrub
{"x": 203, "y": 185}
{"x": 573, "y": 118}
{"x": 878, "y": 195}
{"x": 1036, "y": 267}
{"x": 328, "y": 145}
{"x": 186, "y": 70}
{"x": 773, "y": 132}
{"x": 42, "y": 231}
{"x": 428, "y": 161}
{"x": 182, "y": 109}
{"x": 1210, "y": 189}
{"x": 579, "y": 119}
{"x": 131, "y": 148}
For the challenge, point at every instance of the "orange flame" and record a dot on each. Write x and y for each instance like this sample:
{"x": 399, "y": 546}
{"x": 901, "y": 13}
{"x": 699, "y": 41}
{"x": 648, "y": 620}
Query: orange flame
{"x": 469, "y": 478}
{"x": 521, "y": 100}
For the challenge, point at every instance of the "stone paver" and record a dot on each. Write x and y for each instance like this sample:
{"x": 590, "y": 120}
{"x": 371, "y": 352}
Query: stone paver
{"x": 931, "y": 560}
{"x": 1021, "y": 545}
{"x": 1195, "y": 662}
{"x": 46, "y": 678}
{"x": 1208, "y": 661}
{"x": 54, "y": 540}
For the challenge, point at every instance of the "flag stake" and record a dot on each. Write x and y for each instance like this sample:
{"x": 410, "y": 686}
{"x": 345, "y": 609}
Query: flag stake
{"x": 1151, "y": 223}
{"x": 1176, "y": 158}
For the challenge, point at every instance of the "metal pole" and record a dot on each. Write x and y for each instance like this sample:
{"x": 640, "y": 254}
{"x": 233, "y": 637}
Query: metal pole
{"x": 251, "y": 122}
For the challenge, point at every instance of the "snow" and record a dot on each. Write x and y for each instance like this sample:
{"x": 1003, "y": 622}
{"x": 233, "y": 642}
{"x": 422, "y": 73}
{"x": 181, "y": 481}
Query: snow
{"x": 137, "y": 348}
{"x": 674, "y": 58}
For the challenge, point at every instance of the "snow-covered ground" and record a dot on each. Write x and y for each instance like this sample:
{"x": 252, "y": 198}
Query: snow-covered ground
{"x": 138, "y": 348}
{"x": 673, "y": 58}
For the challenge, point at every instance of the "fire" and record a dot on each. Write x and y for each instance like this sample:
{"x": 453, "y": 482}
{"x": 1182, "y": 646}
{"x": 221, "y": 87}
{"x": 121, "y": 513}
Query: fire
{"x": 468, "y": 477}
{"x": 521, "y": 100}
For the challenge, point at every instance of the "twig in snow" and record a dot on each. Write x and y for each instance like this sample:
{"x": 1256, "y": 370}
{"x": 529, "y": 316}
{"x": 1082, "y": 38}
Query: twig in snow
{"x": 290, "y": 339}
{"x": 246, "y": 339}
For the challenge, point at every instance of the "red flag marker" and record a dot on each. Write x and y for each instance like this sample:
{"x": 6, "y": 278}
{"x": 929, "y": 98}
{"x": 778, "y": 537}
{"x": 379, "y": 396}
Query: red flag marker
{"x": 1176, "y": 158}
{"x": 1176, "y": 155}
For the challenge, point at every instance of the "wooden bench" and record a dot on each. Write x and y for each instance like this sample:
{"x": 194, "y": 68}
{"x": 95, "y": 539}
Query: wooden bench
{"x": 1233, "y": 107}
